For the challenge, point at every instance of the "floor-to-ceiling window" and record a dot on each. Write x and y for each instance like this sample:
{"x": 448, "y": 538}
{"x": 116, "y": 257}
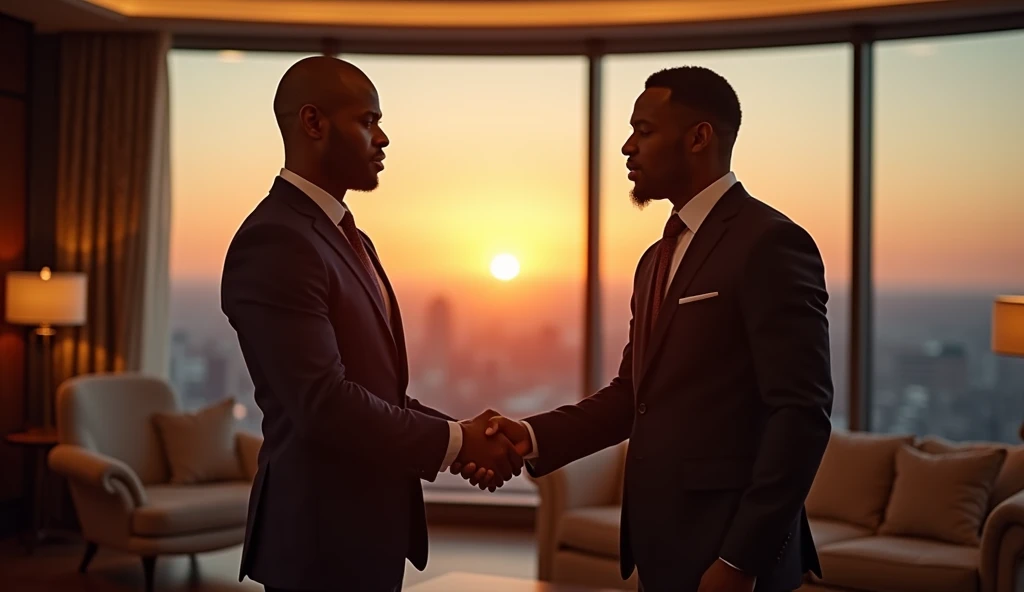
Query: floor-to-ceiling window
{"x": 478, "y": 221}
{"x": 948, "y": 212}
{"x": 225, "y": 151}
{"x": 793, "y": 152}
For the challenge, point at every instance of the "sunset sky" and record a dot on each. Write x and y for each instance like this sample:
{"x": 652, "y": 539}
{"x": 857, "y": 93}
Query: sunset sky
{"x": 487, "y": 156}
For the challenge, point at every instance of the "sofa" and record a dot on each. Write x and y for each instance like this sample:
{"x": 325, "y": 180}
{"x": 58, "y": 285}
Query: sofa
{"x": 889, "y": 513}
{"x": 146, "y": 477}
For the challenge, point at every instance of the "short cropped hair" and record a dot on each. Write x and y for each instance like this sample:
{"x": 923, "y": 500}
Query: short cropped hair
{"x": 706, "y": 92}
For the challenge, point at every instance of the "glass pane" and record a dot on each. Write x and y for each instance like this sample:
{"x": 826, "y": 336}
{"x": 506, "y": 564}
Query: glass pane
{"x": 225, "y": 151}
{"x": 793, "y": 152}
{"x": 948, "y": 214}
{"x": 487, "y": 158}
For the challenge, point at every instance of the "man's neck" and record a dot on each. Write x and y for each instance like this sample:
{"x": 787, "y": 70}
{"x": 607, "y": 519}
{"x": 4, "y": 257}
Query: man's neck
{"x": 695, "y": 187}
{"x": 313, "y": 176}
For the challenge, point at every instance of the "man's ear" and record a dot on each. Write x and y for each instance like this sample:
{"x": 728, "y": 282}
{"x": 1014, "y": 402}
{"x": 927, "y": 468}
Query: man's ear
{"x": 702, "y": 135}
{"x": 311, "y": 121}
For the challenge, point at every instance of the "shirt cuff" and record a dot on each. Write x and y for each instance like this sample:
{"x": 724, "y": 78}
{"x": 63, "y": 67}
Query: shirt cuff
{"x": 732, "y": 566}
{"x": 533, "y": 442}
{"x": 454, "y": 445}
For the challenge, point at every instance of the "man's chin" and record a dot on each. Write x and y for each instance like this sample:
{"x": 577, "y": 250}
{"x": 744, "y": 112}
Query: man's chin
{"x": 639, "y": 198}
{"x": 367, "y": 185}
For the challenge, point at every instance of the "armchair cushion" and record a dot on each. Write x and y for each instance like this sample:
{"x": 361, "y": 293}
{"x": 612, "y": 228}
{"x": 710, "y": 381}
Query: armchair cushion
{"x": 826, "y": 532}
{"x": 896, "y": 564}
{"x": 942, "y": 496}
{"x": 200, "y": 446}
{"x": 594, "y": 530}
{"x": 175, "y": 510}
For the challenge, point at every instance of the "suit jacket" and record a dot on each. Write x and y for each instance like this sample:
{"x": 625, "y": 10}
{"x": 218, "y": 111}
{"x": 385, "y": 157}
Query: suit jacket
{"x": 725, "y": 403}
{"x": 337, "y": 499}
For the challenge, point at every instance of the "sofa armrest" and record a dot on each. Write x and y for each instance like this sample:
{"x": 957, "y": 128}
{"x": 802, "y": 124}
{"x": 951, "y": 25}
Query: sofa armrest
{"x": 1002, "y": 547}
{"x": 592, "y": 481}
{"x": 248, "y": 446}
{"x": 100, "y": 471}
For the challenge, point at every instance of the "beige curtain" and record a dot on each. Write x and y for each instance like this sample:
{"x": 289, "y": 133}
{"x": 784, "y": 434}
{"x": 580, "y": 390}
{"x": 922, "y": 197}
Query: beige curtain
{"x": 113, "y": 200}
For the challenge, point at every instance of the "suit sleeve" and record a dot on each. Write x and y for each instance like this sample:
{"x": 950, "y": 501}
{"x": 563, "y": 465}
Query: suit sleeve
{"x": 415, "y": 405}
{"x": 783, "y": 304}
{"x": 603, "y": 419}
{"x": 275, "y": 294}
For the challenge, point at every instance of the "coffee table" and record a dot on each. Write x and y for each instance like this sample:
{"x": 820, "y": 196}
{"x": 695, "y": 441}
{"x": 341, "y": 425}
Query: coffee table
{"x": 458, "y": 581}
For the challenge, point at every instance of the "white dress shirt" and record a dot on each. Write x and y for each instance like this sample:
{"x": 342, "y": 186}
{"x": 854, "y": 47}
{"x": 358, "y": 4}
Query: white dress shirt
{"x": 692, "y": 214}
{"x": 336, "y": 210}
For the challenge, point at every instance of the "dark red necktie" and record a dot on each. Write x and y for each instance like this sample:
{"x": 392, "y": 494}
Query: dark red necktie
{"x": 348, "y": 227}
{"x": 663, "y": 262}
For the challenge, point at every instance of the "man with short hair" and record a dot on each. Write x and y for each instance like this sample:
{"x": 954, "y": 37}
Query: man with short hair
{"x": 725, "y": 388}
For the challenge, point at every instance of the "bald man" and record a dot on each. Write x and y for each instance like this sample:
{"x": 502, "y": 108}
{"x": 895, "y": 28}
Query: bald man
{"x": 321, "y": 333}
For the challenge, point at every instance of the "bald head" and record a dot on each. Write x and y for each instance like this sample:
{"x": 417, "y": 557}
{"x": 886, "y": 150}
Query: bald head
{"x": 324, "y": 82}
{"x": 329, "y": 115}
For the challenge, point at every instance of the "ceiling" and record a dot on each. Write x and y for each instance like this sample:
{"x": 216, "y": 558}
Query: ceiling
{"x": 550, "y": 21}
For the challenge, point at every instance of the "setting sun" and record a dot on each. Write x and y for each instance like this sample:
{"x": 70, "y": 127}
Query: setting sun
{"x": 505, "y": 267}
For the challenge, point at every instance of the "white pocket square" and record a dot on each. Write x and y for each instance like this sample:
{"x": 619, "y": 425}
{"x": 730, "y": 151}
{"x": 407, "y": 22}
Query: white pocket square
{"x": 690, "y": 299}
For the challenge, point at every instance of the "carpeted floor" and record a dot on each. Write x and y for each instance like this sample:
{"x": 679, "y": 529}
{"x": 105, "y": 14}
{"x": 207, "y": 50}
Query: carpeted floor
{"x": 54, "y": 566}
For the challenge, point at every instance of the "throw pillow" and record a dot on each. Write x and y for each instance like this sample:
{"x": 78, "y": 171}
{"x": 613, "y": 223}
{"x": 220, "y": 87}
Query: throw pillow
{"x": 1011, "y": 476}
{"x": 855, "y": 478}
{"x": 200, "y": 446}
{"x": 942, "y": 496}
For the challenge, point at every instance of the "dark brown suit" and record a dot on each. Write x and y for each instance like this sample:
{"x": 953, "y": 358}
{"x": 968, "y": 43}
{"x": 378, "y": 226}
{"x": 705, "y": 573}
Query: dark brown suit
{"x": 726, "y": 404}
{"x": 337, "y": 502}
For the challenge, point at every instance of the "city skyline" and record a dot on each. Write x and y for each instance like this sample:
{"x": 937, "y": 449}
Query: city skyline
{"x": 488, "y": 157}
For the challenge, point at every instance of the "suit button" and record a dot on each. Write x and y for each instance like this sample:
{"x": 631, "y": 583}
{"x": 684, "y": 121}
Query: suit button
{"x": 642, "y": 409}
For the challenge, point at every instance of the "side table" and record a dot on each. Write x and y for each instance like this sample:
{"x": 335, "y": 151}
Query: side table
{"x": 38, "y": 442}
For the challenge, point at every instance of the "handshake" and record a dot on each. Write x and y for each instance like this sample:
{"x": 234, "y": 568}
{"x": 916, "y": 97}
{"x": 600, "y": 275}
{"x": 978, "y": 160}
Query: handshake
{"x": 492, "y": 450}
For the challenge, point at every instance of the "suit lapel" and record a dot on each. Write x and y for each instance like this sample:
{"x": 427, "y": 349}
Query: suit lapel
{"x": 704, "y": 241}
{"x": 323, "y": 226}
{"x": 333, "y": 236}
{"x": 397, "y": 330}
{"x": 642, "y": 310}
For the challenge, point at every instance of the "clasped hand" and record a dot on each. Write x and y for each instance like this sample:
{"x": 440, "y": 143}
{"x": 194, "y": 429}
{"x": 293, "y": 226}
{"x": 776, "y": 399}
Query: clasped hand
{"x": 492, "y": 450}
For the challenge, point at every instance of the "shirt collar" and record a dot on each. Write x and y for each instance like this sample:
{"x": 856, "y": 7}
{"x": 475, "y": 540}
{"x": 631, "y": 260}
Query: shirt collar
{"x": 697, "y": 209}
{"x": 334, "y": 209}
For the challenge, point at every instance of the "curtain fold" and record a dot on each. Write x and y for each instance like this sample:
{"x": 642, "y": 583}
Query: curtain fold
{"x": 113, "y": 200}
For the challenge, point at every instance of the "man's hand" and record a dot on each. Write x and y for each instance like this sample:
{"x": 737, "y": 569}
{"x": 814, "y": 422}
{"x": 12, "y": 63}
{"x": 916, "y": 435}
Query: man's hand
{"x": 485, "y": 460}
{"x": 721, "y": 577}
{"x": 515, "y": 431}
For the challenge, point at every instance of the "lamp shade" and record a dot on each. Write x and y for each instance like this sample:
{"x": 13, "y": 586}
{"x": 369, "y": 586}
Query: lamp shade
{"x": 45, "y": 298}
{"x": 1008, "y": 325}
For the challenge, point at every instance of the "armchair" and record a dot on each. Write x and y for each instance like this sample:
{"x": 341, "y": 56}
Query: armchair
{"x": 578, "y": 522}
{"x": 111, "y": 454}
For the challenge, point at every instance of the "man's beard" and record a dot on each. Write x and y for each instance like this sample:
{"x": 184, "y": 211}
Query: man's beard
{"x": 640, "y": 201}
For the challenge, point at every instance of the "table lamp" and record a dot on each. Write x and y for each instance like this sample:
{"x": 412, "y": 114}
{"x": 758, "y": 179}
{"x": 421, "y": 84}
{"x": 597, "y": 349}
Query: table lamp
{"x": 46, "y": 300}
{"x": 1008, "y": 328}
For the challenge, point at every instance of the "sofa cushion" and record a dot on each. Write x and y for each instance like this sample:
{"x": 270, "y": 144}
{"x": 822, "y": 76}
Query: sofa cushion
{"x": 1011, "y": 476}
{"x": 855, "y": 478}
{"x": 896, "y": 564}
{"x": 200, "y": 446}
{"x": 186, "y": 509}
{"x": 942, "y": 496}
{"x": 826, "y": 532}
{"x": 594, "y": 530}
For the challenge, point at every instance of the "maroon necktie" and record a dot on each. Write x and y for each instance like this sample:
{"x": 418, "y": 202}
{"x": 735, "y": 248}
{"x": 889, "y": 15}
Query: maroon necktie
{"x": 348, "y": 227}
{"x": 663, "y": 262}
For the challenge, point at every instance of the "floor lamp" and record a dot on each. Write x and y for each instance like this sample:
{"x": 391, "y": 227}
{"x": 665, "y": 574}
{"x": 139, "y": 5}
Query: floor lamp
{"x": 1008, "y": 328}
{"x": 46, "y": 300}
